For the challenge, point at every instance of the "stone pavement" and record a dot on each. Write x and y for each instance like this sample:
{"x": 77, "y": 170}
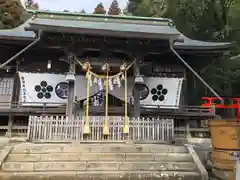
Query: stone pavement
{"x": 100, "y": 161}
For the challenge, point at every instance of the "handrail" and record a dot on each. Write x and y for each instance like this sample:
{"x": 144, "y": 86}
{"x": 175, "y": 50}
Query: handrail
{"x": 39, "y": 107}
{"x": 180, "y": 107}
{"x": 77, "y": 103}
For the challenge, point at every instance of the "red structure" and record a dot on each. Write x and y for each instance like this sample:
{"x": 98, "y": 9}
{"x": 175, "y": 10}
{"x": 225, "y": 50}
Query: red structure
{"x": 210, "y": 102}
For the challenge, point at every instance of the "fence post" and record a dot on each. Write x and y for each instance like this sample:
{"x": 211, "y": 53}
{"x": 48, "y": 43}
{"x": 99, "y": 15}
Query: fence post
{"x": 188, "y": 130}
{"x": 237, "y": 172}
{"x": 10, "y": 124}
{"x": 236, "y": 155}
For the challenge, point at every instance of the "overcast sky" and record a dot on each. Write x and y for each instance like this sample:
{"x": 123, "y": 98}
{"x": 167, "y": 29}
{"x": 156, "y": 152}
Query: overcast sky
{"x": 75, "y": 5}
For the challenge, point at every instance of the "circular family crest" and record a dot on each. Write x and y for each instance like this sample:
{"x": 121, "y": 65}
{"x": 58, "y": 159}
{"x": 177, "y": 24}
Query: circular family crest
{"x": 43, "y": 90}
{"x": 159, "y": 93}
{"x": 61, "y": 90}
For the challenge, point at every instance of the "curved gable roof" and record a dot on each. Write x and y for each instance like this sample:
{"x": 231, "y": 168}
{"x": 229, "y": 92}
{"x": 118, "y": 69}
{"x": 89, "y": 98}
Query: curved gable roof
{"x": 190, "y": 44}
{"x": 18, "y": 33}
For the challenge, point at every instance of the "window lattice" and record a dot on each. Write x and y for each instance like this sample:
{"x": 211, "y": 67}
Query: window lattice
{"x": 6, "y": 87}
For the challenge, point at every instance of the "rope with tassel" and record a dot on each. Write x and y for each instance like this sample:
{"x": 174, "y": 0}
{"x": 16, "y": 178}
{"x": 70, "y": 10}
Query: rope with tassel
{"x": 107, "y": 77}
{"x": 105, "y": 126}
{"x": 126, "y": 123}
{"x": 86, "y": 130}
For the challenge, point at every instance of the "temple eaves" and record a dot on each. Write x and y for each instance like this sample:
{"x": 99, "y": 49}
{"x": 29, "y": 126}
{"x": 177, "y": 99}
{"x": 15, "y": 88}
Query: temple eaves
{"x": 127, "y": 26}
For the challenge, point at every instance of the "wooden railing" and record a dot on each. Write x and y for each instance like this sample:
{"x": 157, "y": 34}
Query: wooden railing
{"x": 60, "y": 128}
{"x": 58, "y": 108}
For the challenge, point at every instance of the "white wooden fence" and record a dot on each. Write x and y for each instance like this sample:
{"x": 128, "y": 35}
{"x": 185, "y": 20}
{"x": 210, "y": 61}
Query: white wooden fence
{"x": 59, "y": 128}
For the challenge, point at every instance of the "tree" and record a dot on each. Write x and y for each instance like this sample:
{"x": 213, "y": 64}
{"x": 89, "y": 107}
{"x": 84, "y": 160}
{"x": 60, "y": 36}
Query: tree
{"x": 34, "y": 6}
{"x": 29, "y": 3}
{"x": 12, "y": 13}
{"x": 99, "y": 9}
{"x": 82, "y": 11}
{"x": 114, "y": 8}
{"x": 216, "y": 20}
{"x": 149, "y": 8}
{"x": 204, "y": 19}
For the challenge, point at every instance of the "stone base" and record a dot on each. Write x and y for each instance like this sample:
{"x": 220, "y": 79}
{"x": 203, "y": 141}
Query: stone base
{"x": 105, "y": 175}
{"x": 100, "y": 161}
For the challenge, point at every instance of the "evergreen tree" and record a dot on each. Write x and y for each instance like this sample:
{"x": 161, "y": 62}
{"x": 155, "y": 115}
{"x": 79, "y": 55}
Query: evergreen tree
{"x": 114, "y": 8}
{"x": 99, "y": 9}
{"x": 12, "y": 14}
{"x": 30, "y": 4}
{"x": 150, "y": 8}
{"x": 34, "y": 6}
{"x": 82, "y": 11}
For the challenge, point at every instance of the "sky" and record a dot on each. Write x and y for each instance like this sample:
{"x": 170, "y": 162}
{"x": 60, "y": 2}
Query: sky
{"x": 75, "y": 5}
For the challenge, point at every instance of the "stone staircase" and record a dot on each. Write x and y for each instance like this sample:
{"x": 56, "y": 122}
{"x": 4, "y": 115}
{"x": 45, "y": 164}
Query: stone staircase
{"x": 100, "y": 161}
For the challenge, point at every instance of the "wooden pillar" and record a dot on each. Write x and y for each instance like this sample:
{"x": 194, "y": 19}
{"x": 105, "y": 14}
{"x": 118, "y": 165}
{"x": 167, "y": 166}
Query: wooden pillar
{"x": 71, "y": 85}
{"x": 10, "y": 124}
{"x": 70, "y": 102}
{"x": 237, "y": 171}
{"x": 185, "y": 89}
{"x": 137, "y": 109}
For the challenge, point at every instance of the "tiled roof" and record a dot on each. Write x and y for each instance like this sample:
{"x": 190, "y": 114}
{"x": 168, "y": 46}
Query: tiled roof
{"x": 18, "y": 33}
{"x": 189, "y": 44}
{"x": 124, "y": 24}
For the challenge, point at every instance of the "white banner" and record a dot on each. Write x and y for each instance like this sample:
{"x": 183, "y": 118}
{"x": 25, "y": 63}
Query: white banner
{"x": 157, "y": 92}
{"x": 163, "y": 92}
{"x": 52, "y": 89}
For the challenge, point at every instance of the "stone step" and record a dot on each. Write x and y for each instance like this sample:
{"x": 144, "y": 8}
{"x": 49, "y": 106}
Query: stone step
{"x": 111, "y": 175}
{"x": 97, "y": 148}
{"x": 97, "y": 166}
{"x": 163, "y": 157}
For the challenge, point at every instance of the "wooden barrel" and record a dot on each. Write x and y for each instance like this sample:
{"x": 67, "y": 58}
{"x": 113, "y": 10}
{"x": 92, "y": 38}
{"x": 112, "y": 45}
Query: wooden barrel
{"x": 224, "y": 134}
{"x": 223, "y": 162}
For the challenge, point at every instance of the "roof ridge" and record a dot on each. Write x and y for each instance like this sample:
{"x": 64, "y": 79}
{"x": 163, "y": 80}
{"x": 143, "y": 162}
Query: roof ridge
{"x": 123, "y": 17}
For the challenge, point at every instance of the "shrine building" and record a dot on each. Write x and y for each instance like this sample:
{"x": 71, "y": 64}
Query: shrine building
{"x": 86, "y": 66}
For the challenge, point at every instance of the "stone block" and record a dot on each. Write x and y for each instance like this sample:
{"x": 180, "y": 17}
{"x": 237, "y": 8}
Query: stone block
{"x": 139, "y": 156}
{"x": 173, "y": 157}
{"x": 27, "y": 157}
{"x": 175, "y": 166}
{"x": 65, "y": 156}
{"x": 37, "y": 148}
{"x": 78, "y": 148}
{"x": 111, "y": 156}
{"x": 103, "y": 175}
{"x": 156, "y": 166}
{"x": 137, "y": 166}
{"x": 168, "y": 149}
{"x": 17, "y": 167}
{"x": 53, "y": 148}
{"x": 89, "y": 157}
{"x": 117, "y": 148}
{"x": 99, "y": 175}
{"x": 102, "y": 166}
{"x": 160, "y": 175}
{"x": 59, "y": 166}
